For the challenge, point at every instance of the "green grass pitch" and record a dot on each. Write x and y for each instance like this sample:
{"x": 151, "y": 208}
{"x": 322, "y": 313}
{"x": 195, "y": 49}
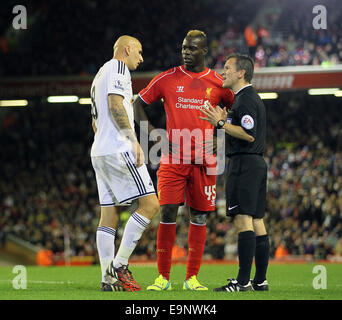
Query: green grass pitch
{"x": 287, "y": 282}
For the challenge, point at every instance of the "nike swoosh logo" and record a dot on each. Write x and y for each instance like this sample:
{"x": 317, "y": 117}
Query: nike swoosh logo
{"x": 231, "y": 208}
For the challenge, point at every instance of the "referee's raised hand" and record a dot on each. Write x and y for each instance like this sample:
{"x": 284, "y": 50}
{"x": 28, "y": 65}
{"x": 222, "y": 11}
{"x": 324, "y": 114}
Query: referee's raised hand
{"x": 213, "y": 115}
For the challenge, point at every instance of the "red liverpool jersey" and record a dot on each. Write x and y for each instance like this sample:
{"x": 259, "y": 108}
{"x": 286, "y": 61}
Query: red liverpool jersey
{"x": 184, "y": 93}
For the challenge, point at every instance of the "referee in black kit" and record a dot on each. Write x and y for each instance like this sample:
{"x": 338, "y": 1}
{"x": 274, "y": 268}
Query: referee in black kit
{"x": 245, "y": 124}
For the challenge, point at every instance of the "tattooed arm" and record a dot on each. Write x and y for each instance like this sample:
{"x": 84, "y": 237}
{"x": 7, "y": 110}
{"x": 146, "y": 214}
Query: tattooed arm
{"x": 120, "y": 117}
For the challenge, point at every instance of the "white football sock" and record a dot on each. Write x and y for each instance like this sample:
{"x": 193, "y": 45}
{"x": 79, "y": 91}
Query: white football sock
{"x": 105, "y": 237}
{"x": 134, "y": 229}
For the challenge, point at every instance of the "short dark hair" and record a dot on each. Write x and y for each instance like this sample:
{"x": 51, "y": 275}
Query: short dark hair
{"x": 243, "y": 62}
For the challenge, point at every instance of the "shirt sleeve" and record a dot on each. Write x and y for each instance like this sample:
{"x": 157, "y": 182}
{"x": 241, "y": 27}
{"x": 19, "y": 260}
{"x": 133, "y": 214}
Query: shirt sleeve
{"x": 247, "y": 118}
{"x": 154, "y": 90}
{"x": 116, "y": 79}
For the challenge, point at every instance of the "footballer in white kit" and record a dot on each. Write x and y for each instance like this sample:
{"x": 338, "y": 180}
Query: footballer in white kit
{"x": 118, "y": 179}
{"x": 118, "y": 161}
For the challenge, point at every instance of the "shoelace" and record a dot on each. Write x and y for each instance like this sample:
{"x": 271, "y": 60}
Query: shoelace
{"x": 127, "y": 275}
{"x": 129, "y": 272}
{"x": 122, "y": 271}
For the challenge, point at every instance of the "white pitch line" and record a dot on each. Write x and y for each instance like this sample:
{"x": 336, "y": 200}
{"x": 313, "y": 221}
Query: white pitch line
{"x": 42, "y": 282}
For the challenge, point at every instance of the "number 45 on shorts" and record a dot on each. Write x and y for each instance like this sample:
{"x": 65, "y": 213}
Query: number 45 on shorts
{"x": 210, "y": 191}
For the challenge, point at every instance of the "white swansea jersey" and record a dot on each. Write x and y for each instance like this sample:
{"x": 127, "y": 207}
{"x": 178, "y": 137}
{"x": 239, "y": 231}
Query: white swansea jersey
{"x": 113, "y": 78}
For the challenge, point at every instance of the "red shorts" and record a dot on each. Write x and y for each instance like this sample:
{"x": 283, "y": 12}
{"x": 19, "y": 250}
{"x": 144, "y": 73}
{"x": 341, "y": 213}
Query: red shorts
{"x": 187, "y": 183}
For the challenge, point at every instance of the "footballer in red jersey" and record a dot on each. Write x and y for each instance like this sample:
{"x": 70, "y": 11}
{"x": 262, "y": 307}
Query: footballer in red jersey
{"x": 185, "y": 90}
{"x": 184, "y": 93}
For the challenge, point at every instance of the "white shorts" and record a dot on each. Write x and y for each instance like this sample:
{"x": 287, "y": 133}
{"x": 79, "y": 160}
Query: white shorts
{"x": 118, "y": 179}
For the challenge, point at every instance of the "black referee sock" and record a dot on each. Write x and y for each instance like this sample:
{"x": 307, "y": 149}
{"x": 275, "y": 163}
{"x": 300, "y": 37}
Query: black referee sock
{"x": 262, "y": 253}
{"x": 246, "y": 250}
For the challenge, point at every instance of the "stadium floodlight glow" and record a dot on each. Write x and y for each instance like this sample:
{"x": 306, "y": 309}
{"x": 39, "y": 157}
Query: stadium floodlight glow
{"x": 268, "y": 95}
{"x": 338, "y": 93}
{"x": 62, "y": 99}
{"x": 13, "y": 103}
{"x": 322, "y": 91}
{"x": 84, "y": 101}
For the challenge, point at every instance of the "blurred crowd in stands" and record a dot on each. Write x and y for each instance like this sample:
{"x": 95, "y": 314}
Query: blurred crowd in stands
{"x": 48, "y": 190}
{"x": 76, "y": 37}
{"x": 282, "y": 34}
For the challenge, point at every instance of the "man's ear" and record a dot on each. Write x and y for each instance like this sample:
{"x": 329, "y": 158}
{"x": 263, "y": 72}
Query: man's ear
{"x": 127, "y": 50}
{"x": 205, "y": 50}
{"x": 242, "y": 74}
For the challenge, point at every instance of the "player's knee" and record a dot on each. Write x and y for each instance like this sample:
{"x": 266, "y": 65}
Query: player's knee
{"x": 169, "y": 213}
{"x": 109, "y": 217}
{"x": 259, "y": 227}
{"x": 149, "y": 207}
{"x": 243, "y": 223}
{"x": 198, "y": 218}
{"x": 154, "y": 207}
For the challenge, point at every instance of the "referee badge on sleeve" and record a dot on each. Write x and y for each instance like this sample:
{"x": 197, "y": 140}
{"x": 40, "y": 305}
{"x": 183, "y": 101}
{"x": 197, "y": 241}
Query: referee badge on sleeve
{"x": 247, "y": 122}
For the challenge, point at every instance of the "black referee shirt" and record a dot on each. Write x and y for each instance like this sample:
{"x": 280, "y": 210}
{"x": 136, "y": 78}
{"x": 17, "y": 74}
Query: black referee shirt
{"x": 247, "y": 111}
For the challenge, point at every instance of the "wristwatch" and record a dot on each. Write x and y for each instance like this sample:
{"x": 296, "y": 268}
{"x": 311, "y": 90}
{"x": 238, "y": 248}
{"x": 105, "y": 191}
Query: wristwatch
{"x": 220, "y": 124}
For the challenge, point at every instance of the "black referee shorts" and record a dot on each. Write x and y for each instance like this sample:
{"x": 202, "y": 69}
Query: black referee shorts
{"x": 246, "y": 182}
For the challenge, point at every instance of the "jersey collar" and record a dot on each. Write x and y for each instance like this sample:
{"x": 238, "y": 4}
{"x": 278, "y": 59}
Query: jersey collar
{"x": 248, "y": 85}
{"x": 195, "y": 75}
